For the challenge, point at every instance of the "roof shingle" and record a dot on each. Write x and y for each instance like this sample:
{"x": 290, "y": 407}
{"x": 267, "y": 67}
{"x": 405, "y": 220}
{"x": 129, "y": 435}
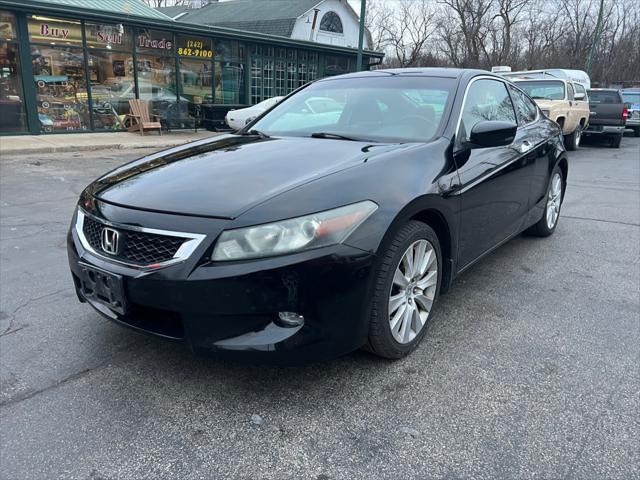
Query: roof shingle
{"x": 273, "y": 17}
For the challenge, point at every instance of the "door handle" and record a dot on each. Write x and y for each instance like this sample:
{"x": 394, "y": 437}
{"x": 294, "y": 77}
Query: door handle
{"x": 525, "y": 146}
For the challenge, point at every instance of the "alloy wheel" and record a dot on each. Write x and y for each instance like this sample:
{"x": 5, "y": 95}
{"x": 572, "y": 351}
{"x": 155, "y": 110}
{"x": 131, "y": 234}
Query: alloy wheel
{"x": 413, "y": 291}
{"x": 577, "y": 137}
{"x": 554, "y": 200}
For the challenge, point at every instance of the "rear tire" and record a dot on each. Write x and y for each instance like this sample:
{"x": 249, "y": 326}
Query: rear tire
{"x": 615, "y": 141}
{"x": 386, "y": 338}
{"x": 572, "y": 141}
{"x": 545, "y": 227}
{"x": 636, "y": 132}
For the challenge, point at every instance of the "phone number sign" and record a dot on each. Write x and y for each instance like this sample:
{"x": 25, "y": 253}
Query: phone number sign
{"x": 194, "y": 47}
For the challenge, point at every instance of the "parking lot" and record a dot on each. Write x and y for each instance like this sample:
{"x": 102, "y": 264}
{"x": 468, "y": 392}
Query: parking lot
{"x": 529, "y": 369}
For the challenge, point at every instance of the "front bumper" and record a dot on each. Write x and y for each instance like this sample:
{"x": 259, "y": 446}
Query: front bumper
{"x": 232, "y": 309}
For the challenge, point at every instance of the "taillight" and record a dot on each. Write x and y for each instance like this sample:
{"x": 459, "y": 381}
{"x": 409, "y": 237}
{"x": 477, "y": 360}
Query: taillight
{"x": 625, "y": 114}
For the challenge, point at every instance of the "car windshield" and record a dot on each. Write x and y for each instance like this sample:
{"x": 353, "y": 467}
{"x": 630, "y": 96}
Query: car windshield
{"x": 376, "y": 109}
{"x": 598, "y": 97}
{"x": 632, "y": 98}
{"x": 543, "y": 89}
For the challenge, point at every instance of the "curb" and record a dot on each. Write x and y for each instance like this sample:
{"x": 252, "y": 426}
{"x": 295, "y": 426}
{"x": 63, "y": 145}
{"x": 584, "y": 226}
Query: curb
{"x": 87, "y": 148}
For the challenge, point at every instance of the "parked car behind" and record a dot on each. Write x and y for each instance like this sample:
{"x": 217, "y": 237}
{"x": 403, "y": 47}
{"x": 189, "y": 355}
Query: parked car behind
{"x": 237, "y": 119}
{"x": 631, "y": 97}
{"x": 560, "y": 102}
{"x": 608, "y": 115}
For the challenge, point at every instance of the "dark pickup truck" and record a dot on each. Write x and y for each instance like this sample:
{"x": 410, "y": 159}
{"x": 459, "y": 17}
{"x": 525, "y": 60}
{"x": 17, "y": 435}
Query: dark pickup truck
{"x": 607, "y": 115}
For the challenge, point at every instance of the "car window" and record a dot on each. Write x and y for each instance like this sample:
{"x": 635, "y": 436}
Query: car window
{"x": 378, "y": 108}
{"x": 543, "y": 89}
{"x": 526, "y": 110}
{"x": 631, "y": 98}
{"x": 597, "y": 97}
{"x": 486, "y": 100}
{"x": 570, "y": 94}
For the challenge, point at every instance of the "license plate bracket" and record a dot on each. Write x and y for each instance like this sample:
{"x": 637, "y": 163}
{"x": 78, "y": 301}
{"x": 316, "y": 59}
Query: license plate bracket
{"x": 103, "y": 287}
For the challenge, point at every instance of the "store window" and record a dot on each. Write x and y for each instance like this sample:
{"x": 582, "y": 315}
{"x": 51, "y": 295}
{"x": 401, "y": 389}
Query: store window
{"x": 229, "y": 83}
{"x": 256, "y": 80}
{"x": 156, "y": 69}
{"x": 112, "y": 86}
{"x": 61, "y": 90}
{"x": 54, "y": 31}
{"x": 12, "y": 110}
{"x": 195, "y": 80}
{"x": 292, "y": 75}
{"x": 109, "y": 36}
{"x": 111, "y": 75}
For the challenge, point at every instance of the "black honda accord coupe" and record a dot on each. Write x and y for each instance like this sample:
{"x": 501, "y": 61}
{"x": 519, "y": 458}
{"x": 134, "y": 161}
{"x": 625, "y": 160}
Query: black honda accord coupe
{"x": 331, "y": 222}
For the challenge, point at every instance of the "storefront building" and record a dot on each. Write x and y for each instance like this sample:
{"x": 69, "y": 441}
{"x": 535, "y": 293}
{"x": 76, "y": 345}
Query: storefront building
{"x": 68, "y": 69}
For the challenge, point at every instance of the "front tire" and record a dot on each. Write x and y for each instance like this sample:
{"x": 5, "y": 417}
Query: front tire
{"x": 549, "y": 221}
{"x": 572, "y": 141}
{"x": 407, "y": 285}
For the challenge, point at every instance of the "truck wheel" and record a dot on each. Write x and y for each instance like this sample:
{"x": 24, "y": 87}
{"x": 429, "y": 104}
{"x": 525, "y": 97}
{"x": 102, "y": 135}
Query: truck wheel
{"x": 615, "y": 141}
{"x": 572, "y": 141}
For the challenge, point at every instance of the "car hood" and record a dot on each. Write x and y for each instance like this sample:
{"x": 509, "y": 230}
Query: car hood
{"x": 228, "y": 175}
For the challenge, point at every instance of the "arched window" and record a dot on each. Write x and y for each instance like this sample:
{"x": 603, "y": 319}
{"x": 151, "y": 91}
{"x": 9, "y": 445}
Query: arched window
{"x": 331, "y": 23}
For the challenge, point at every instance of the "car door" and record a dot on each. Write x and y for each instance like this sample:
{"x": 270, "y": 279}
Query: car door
{"x": 534, "y": 141}
{"x": 494, "y": 181}
{"x": 574, "y": 113}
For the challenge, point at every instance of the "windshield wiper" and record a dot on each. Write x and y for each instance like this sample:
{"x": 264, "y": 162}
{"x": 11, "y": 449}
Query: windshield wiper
{"x": 334, "y": 135}
{"x": 255, "y": 133}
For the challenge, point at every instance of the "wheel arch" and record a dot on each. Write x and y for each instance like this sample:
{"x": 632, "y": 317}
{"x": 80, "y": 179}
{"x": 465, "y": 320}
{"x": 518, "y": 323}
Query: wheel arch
{"x": 436, "y": 212}
{"x": 563, "y": 164}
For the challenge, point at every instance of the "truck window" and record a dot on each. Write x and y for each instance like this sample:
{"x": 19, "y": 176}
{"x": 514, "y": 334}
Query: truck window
{"x": 602, "y": 97}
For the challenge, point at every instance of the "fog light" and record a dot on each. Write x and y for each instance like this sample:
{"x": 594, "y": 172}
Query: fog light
{"x": 290, "y": 319}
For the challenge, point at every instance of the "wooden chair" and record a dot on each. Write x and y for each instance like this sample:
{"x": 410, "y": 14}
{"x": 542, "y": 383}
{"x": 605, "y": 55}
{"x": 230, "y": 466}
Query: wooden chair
{"x": 141, "y": 117}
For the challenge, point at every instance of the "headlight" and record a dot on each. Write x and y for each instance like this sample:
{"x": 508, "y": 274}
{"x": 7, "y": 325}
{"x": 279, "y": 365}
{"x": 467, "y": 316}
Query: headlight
{"x": 294, "y": 235}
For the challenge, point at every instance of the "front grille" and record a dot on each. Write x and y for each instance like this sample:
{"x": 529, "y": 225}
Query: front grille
{"x": 139, "y": 248}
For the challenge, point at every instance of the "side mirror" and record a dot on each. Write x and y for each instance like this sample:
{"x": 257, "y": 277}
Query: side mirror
{"x": 579, "y": 96}
{"x": 492, "y": 133}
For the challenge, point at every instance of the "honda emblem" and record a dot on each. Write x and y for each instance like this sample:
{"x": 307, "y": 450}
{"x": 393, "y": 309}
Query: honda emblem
{"x": 110, "y": 241}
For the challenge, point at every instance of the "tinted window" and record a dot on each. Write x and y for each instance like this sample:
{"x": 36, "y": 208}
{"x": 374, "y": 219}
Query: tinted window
{"x": 486, "y": 100}
{"x": 525, "y": 108}
{"x": 403, "y": 109}
{"x": 598, "y": 97}
{"x": 543, "y": 89}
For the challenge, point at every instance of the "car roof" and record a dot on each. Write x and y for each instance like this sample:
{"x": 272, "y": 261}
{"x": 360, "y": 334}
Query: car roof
{"x": 420, "y": 71}
{"x": 603, "y": 90}
{"x": 631, "y": 90}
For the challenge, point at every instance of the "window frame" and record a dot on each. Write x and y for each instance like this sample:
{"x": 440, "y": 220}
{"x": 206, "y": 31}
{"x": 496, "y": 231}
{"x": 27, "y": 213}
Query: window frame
{"x": 333, "y": 14}
{"x": 537, "y": 108}
{"x": 459, "y": 141}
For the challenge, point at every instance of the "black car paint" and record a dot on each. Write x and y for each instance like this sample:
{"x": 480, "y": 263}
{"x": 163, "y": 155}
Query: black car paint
{"x": 476, "y": 199}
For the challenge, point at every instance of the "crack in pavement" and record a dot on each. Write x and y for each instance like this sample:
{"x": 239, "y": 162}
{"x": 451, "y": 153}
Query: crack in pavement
{"x": 74, "y": 376}
{"x": 12, "y": 315}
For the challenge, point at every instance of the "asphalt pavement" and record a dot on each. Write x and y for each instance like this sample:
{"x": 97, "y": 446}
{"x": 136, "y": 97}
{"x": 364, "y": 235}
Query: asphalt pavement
{"x": 529, "y": 369}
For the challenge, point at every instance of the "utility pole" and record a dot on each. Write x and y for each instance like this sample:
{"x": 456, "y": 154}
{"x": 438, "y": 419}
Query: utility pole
{"x": 596, "y": 38}
{"x": 363, "y": 6}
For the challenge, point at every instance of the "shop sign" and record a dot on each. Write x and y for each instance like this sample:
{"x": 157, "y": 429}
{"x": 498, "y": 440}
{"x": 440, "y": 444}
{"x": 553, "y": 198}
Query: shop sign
{"x": 109, "y": 36}
{"x": 194, "y": 47}
{"x": 155, "y": 41}
{"x": 50, "y": 29}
